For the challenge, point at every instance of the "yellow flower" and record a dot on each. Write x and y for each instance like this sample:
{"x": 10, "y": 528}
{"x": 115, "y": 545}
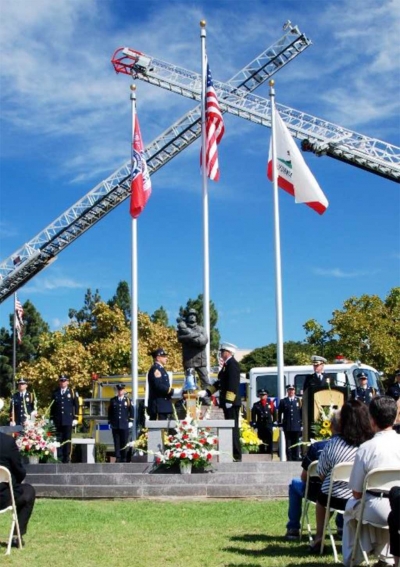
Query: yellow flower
{"x": 326, "y": 424}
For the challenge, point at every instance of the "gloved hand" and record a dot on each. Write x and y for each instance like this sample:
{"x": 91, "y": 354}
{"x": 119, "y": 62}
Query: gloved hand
{"x": 74, "y": 422}
{"x": 130, "y": 424}
{"x": 202, "y": 393}
{"x": 228, "y": 405}
{"x": 177, "y": 391}
{"x": 12, "y": 423}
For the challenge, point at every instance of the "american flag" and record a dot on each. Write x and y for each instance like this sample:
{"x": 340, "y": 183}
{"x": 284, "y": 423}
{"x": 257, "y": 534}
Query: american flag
{"x": 214, "y": 129}
{"x": 19, "y": 323}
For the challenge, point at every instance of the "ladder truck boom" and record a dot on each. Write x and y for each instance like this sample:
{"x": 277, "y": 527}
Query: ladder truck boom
{"x": 39, "y": 252}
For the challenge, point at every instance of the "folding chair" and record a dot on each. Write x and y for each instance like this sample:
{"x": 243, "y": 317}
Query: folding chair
{"x": 379, "y": 480}
{"x": 340, "y": 472}
{"x": 311, "y": 471}
{"x": 5, "y": 476}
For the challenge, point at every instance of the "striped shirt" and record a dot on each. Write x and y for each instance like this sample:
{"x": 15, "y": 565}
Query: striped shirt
{"x": 335, "y": 451}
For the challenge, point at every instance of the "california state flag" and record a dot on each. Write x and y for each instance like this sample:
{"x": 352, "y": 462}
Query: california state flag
{"x": 293, "y": 173}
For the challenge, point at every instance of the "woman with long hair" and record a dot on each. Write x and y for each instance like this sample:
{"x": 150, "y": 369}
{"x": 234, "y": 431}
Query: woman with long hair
{"x": 355, "y": 429}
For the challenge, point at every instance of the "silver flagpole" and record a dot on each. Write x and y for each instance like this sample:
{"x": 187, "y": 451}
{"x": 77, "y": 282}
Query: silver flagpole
{"x": 15, "y": 341}
{"x": 134, "y": 292}
{"x": 278, "y": 270}
{"x": 206, "y": 281}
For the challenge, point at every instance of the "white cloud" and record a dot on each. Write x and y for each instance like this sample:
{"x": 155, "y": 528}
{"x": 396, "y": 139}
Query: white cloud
{"x": 339, "y": 273}
{"x": 44, "y": 285}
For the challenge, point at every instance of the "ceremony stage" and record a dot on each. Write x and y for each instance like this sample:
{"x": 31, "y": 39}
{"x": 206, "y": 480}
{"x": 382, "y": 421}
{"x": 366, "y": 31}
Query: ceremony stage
{"x": 268, "y": 479}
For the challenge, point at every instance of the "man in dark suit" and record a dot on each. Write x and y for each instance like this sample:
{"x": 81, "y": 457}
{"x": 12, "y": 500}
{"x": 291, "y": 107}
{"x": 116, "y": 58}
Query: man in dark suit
{"x": 394, "y": 389}
{"x": 120, "y": 419}
{"x": 363, "y": 392}
{"x": 228, "y": 384}
{"x": 262, "y": 418}
{"x": 289, "y": 415}
{"x": 317, "y": 378}
{"x": 24, "y": 494}
{"x": 22, "y": 404}
{"x": 64, "y": 413}
{"x": 159, "y": 402}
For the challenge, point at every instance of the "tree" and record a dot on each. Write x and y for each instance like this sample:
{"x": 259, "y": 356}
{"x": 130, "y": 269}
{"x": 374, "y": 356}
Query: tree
{"x": 321, "y": 340}
{"x": 122, "y": 299}
{"x": 160, "y": 316}
{"x": 197, "y": 304}
{"x": 86, "y": 314}
{"x": 294, "y": 353}
{"x": 6, "y": 369}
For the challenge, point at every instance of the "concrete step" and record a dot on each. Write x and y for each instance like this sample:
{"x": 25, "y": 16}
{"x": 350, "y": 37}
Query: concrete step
{"x": 140, "y": 480}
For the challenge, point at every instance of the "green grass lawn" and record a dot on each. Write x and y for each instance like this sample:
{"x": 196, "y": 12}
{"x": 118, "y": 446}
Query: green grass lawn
{"x": 173, "y": 533}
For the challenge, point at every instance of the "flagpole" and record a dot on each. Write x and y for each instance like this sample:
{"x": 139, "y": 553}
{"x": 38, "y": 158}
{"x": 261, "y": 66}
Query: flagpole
{"x": 278, "y": 270}
{"x": 15, "y": 341}
{"x": 206, "y": 260}
{"x": 134, "y": 290}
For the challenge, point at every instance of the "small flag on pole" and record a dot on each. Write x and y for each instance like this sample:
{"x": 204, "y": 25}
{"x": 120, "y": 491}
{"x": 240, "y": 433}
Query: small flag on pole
{"x": 19, "y": 323}
{"x": 293, "y": 173}
{"x": 140, "y": 177}
{"x": 214, "y": 128}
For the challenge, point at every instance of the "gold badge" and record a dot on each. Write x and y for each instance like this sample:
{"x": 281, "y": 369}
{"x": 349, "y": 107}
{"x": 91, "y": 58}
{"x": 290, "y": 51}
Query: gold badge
{"x": 157, "y": 374}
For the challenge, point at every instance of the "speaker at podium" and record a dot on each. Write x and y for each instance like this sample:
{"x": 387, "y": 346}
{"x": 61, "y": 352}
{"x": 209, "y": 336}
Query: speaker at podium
{"x": 317, "y": 397}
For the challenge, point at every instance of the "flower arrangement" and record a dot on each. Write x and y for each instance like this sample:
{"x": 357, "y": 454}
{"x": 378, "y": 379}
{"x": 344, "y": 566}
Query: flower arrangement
{"x": 322, "y": 427}
{"x": 37, "y": 439}
{"x": 190, "y": 444}
{"x": 249, "y": 439}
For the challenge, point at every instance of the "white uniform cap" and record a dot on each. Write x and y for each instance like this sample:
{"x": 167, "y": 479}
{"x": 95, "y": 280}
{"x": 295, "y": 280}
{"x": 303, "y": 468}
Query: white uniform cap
{"x": 318, "y": 359}
{"x": 229, "y": 347}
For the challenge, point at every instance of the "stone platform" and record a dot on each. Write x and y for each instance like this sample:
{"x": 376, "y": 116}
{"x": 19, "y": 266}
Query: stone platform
{"x": 140, "y": 480}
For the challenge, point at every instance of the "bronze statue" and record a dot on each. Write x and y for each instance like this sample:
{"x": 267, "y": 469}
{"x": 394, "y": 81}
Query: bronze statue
{"x": 193, "y": 339}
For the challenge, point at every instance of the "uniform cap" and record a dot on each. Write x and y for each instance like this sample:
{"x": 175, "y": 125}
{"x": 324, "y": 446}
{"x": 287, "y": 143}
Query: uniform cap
{"x": 121, "y": 386}
{"x": 290, "y": 387}
{"x": 262, "y": 392}
{"x": 158, "y": 352}
{"x": 318, "y": 359}
{"x": 362, "y": 375}
{"x": 63, "y": 378}
{"x": 21, "y": 381}
{"x": 229, "y": 347}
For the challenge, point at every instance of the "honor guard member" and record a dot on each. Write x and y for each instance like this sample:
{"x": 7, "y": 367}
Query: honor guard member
{"x": 262, "y": 418}
{"x": 23, "y": 404}
{"x": 64, "y": 413}
{"x": 120, "y": 419}
{"x": 289, "y": 415}
{"x": 159, "y": 403}
{"x": 228, "y": 384}
{"x": 317, "y": 378}
{"x": 363, "y": 393}
{"x": 394, "y": 389}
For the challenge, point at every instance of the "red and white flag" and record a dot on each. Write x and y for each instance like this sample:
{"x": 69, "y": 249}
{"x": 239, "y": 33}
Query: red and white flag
{"x": 140, "y": 177}
{"x": 293, "y": 173}
{"x": 18, "y": 318}
{"x": 214, "y": 128}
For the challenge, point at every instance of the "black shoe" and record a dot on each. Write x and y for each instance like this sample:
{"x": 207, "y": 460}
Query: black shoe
{"x": 14, "y": 542}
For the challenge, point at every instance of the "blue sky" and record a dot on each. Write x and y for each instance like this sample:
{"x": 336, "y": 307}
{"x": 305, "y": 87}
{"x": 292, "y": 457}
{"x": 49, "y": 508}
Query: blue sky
{"x": 65, "y": 126}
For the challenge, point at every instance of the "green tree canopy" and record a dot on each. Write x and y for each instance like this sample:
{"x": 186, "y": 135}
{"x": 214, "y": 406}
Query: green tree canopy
{"x": 122, "y": 299}
{"x": 293, "y": 352}
{"x": 160, "y": 316}
{"x": 86, "y": 313}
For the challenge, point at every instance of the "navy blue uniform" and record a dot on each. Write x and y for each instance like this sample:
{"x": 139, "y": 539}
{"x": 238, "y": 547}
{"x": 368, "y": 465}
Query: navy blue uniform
{"x": 120, "y": 414}
{"x": 160, "y": 392}
{"x": 228, "y": 384}
{"x": 63, "y": 411}
{"x": 289, "y": 414}
{"x": 315, "y": 380}
{"x": 262, "y": 417}
{"x": 394, "y": 391}
{"x": 21, "y": 406}
{"x": 364, "y": 395}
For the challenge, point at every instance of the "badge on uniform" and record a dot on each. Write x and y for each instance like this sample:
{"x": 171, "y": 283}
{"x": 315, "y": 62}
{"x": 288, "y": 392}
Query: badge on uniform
{"x": 157, "y": 374}
{"x": 126, "y": 403}
{"x": 68, "y": 395}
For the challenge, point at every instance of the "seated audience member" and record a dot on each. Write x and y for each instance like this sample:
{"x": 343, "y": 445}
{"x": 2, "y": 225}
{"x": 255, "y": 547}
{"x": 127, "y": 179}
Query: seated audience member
{"x": 297, "y": 486}
{"x": 383, "y": 450}
{"x": 24, "y": 494}
{"x": 394, "y": 524}
{"x": 355, "y": 428}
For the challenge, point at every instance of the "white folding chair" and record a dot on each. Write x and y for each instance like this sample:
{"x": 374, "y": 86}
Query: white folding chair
{"x": 5, "y": 476}
{"x": 340, "y": 473}
{"x": 379, "y": 480}
{"x": 311, "y": 472}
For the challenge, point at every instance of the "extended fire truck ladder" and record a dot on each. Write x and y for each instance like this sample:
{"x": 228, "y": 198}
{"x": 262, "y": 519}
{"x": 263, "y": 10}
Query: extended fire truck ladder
{"x": 43, "y": 249}
{"x": 317, "y": 135}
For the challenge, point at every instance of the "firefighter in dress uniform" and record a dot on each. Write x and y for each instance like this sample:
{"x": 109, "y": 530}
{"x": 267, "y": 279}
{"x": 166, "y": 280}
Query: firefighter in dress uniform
{"x": 289, "y": 415}
{"x": 159, "y": 402}
{"x": 23, "y": 404}
{"x": 64, "y": 413}
{"x": 363, "y": 393}
{"x": 318, "y": 377}
{"x": 262, "y": 418}
{"x": 394, "y": 390}
{"x": 120, "y": 419}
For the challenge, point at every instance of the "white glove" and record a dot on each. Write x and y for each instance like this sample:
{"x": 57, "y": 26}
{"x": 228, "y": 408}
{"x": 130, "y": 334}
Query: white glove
{"x": 228, "y": 405}
{"x": 74, "y": 422}
{"x": 12, "y": 423}
{"x": 130, "y": 425}
{"x": 33, "y": 414}
{"x": 177, "y": 391}
{"x": 202, "y": 393}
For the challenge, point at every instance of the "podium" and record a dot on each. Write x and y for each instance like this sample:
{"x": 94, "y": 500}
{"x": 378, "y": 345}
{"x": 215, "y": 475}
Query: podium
{"x": 316, "y": 397}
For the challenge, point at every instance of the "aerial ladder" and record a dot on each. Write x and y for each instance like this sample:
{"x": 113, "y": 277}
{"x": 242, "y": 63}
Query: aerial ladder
{"x": 43, "y": 249}
{"x": 316, "y": 135}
